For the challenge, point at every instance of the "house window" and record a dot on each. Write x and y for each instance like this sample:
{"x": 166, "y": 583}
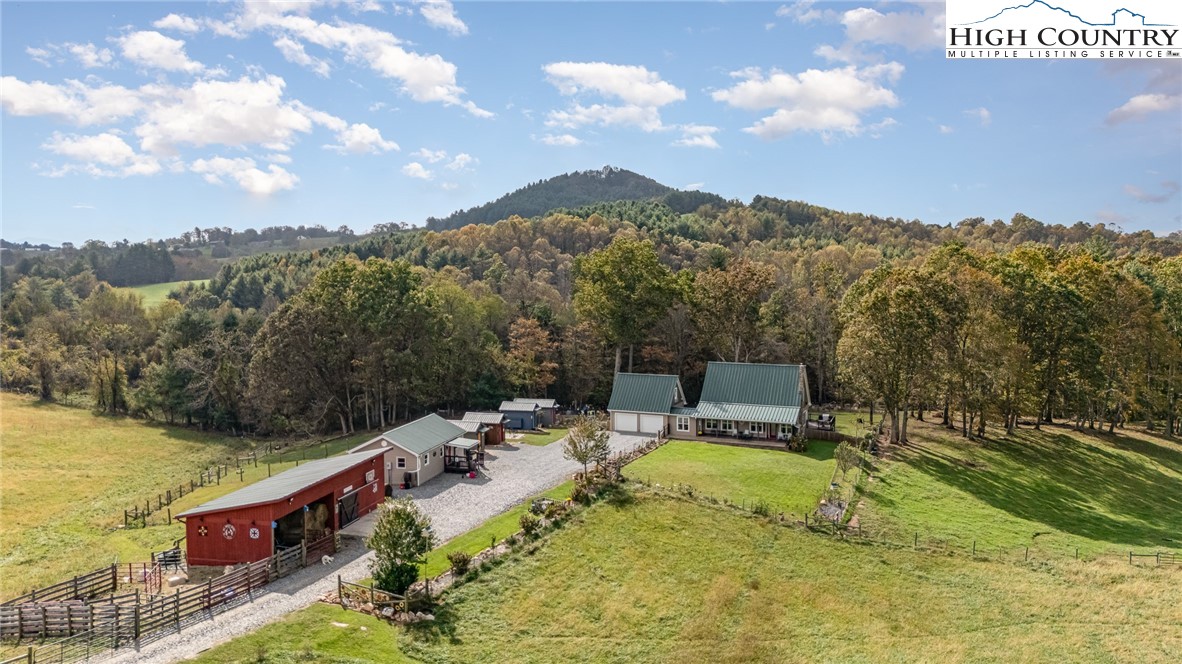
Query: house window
{"x": 756, "y": 428}
{"x": 727, "y": 425}
{"x": 426, "y": 459}
{"x": 784, "y": 430}
{"x": 402, "y": 462}
{"x": 683, "y": 423}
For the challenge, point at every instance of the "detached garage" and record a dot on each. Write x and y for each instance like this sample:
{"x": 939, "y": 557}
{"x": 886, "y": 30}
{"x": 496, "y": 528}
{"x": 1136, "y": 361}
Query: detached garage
{"x": 642, "y": 403}
{"x": 303, "y": 505}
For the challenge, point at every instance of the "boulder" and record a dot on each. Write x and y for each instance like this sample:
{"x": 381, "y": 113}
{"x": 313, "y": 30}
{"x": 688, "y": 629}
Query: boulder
{"x": 388, "y": 612}
{"x": 367, "y": 607}
{"x": 177, "y": 580}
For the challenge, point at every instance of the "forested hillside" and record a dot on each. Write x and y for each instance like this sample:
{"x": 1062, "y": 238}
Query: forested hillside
{"x": 989, "y": 321}
{"x": 569, "y": 190}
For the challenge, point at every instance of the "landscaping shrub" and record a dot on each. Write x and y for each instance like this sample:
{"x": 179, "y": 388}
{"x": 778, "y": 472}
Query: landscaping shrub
{"x": 401, "y": 538}
{"x": 460, "y": 560}
{"x": 580, "y": 495}
{"x": 530, "y": 524}
{"x": 762, "y": 508}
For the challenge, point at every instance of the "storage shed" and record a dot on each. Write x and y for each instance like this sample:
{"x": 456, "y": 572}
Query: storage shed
{"x": 495, "y": 423}
{"x": 303, "y": 504}
{"x": 520, "y": 415}
{"x": 547, "y": 410}
{"x": 414, "y": 452}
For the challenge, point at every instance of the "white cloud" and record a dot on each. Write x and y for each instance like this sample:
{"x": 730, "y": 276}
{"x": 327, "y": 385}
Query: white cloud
{"x": 103, "y": 155}
{"x": 641, "y": 94}
{"x": 697, "y": 136}
{"x": 647, "y": 118}
{"x": 72, "y": 101}
{"x": 694, "y": 186}
{"x": 152, "y": 49}
{"x": 1143, "y": 105}
{"x": 912, "y": 30}
{"x": 39, "y": 55}
{"x": 362, "y": 138}
{"x": 462, "y": 161}
{"x": 279, "y": 158}
{"x": 1169, "y": 190}
{"x": 431, "y": 156}
{"x": 441, "y": 14}
{"x": 416, "y": 170}
{"x": 634, "y": 85}
{"x": 425, "y": 78}
{"x": 81, "y": 206}
{"x": 244, "y": 172}
{"x": 945, "y": 129}
{"x": 90, "y": 56}
{"x": 294, "y": 52}
{"x": 803, "y": 11}
{"x": 822, "y": 101}
{"x": 981, "y": 114}
{"x": 179, "y": 23}
{"x": 561, "y": 140}
{"x": 232, "y": 113}
{"x": 449, "y": 186}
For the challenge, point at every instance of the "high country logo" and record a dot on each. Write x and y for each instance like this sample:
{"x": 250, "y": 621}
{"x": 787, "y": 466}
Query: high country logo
{"x": 1063, "y": 29}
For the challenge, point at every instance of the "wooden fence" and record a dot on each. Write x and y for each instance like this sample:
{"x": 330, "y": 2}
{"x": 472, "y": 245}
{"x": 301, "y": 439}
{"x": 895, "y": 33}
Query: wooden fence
{"x": 102, "y": 581}
{"x": 84, "y": 629}
{"x": 354, "y": 596}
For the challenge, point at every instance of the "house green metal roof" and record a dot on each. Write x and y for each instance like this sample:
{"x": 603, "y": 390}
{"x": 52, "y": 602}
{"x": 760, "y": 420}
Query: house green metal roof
{"x": 645, "y": 393}
{"x": 710, "y": 410}
{"x": 285, "y": 484}
{"x": 486, "y": 418}
{"x": 423, "y": 435}
{"x": 754, "y": 384}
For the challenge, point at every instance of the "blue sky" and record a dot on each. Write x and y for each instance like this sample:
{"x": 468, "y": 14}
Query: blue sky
{"x": 142, "y": 119}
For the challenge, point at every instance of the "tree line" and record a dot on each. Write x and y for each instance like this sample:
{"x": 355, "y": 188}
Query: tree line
{"x": 981, "y": 325}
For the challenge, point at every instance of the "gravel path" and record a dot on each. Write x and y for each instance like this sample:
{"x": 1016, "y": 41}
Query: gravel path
{"x": 455, "y": 505}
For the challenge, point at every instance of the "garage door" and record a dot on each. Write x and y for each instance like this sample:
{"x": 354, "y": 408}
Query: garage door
{"x": 624, "y": 422}
{"x": 651, "y": 424}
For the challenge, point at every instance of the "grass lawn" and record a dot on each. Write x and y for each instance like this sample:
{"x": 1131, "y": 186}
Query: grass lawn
{"x": 787, "y": 481}
{"x": 1052, "y": 490}
{"x": 658, "y": 579}
{"x": 66, "y": 475}
{"x": 478, "y": 539}
{"x": 847, "y": 421}
{"x": 154, "y": 294}
{"x": 540, "y": 439}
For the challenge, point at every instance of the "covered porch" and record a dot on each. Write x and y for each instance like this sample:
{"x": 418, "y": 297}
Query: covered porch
{"x": 462, "y": 455}
{"x": 715, "y": 422}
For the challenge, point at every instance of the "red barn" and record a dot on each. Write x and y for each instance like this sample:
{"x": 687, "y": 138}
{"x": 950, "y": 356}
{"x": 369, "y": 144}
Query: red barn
{"x": 307, "y": 502}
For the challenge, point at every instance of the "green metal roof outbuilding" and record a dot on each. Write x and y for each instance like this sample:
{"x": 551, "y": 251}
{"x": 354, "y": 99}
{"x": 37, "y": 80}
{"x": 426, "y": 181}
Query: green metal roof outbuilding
{"x": 645, "y": 393}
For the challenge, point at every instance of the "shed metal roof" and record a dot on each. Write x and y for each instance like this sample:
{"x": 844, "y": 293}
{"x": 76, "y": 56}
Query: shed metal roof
{"x": 542, "y": 403}
{"x": 645, "y": 393}
{"x": 423, "y": 434}
{"x": 463, "y": 443}
{"x": 487, "y": 418}
{"x": 469, "y": 426}
{"x": 518, "y": 406}
{"x": 754, "y": 384}
{"x": 285, "y": 484}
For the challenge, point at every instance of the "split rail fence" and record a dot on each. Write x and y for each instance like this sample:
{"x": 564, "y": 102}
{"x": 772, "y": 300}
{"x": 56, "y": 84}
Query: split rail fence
{"x": 73, "y": 626}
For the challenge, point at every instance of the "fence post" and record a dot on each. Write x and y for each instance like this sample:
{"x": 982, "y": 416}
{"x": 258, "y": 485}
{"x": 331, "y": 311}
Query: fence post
{"x": 1028, "y": 553}
{"x": 974, "y": 548}
{"x": 1077, "y": 553}
{"x": 136, "y": 614}
{"x": 340, "y": 591}
{"x": 1130, "y": 557}
{"x": 30, "y": 654}
{"x": 114, "y": 577}
{"x": 916, "y": 540}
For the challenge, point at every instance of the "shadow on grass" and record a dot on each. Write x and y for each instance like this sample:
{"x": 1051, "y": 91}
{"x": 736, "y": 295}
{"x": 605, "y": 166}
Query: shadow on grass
{"x": 1076, "y": 488}
{"x": 1166, "y": 456}
{"x": 819, "y": 450}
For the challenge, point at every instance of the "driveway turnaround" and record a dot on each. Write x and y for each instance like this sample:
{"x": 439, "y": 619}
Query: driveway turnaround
{"x": 455, "y": 504}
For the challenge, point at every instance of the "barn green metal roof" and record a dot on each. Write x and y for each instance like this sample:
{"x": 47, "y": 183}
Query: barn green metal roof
{"x": 285, "y": 484}
{"x": 423, "y": 434}
{"x": 644, "y": 393}
{"x": 754, "y": 384}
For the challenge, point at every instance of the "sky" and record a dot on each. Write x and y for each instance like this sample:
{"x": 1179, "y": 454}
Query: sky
{"x": 141, "y": 120}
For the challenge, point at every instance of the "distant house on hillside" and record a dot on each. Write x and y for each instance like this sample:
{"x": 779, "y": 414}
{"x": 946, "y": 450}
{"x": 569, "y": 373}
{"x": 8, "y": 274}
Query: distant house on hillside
{"x": 520, "y": 414}
{"x": 756, "y": 401}
{"x": 547, "y": 410}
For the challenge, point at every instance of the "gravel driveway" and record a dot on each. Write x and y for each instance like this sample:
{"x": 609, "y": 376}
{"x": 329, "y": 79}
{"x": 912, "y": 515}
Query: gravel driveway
{"x": 454, "y": 503}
